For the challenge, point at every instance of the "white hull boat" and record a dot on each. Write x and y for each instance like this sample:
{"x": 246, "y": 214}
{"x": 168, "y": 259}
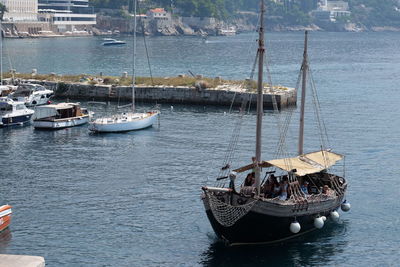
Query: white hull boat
{"x": 13, "y": 113}
{"x": 124, "y": 122}
{"x": 231, "y": 31}
{"x": 61, "y": 123}
{"x": 32, "y": 94}
{"x": 59, "y": 116}
{"x": 112, "y": 42}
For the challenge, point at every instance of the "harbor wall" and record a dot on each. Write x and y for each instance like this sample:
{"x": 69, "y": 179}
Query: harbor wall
{"x": 166, "y": 94}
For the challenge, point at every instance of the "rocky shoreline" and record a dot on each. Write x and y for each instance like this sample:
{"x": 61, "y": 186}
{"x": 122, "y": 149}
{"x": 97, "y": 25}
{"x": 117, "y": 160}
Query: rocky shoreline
{"x": 244, "y": 23}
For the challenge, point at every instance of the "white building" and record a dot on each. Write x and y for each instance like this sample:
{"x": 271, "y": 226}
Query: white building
{"x": 20, "y": 10}
{"x": 158, "y": 14}
{"x": 331, "y": 10}
{"x": 67, "y": 15}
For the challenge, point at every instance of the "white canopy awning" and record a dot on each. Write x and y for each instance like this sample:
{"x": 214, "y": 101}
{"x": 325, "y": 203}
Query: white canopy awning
{"x": 308, "y": 163}
{"x": 305, "y": 164}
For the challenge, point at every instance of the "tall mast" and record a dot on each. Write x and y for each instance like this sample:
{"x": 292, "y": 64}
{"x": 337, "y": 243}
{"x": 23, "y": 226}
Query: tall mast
{"x": 304, "y": 69}
{"x": 134, "y": 56}
{"x": 260, "y": 108}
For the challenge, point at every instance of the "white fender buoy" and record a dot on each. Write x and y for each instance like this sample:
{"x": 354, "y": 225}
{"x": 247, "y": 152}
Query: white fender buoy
{"x": 335, "y": 215}
{"x": 172, "y": 108}
{"x": 295, "y": 227}
{"x": 345, "y": 206}
{"x": 319, "y": 222}
{"x": 323, "y": 218}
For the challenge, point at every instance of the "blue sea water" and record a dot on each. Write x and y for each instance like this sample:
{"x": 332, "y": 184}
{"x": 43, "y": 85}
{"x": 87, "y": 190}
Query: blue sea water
{"x": 133, "y": 199}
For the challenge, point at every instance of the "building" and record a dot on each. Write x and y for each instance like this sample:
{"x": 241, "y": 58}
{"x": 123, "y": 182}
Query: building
{"x": 20, "y": 10}
{"x": 67, "y": 15}
{"x": 158, "y": 14}
{"x": 331, "y": 10}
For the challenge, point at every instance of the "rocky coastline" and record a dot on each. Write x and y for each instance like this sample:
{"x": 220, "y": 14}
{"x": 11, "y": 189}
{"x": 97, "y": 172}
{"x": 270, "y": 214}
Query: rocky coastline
{"x": 243, "y": 23}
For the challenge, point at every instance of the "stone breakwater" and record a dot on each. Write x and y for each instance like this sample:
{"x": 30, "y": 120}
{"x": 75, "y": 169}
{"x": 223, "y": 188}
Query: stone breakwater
{"x": 221, "y": 96}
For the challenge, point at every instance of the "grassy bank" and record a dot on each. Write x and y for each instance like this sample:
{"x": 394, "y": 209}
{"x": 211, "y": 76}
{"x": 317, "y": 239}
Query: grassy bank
{"x": 114, "y": 80}
{"x": 187, "y": 81}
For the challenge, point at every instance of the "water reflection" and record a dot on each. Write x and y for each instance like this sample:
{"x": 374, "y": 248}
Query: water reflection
{"x": 312, "y": 249}
{"x": 5, "y": 239}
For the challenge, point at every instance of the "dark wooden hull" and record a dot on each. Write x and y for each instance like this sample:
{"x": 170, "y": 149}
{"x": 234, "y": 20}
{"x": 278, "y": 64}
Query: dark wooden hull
{"x": 259, "y": 227}
{"x": 255, "y": 228}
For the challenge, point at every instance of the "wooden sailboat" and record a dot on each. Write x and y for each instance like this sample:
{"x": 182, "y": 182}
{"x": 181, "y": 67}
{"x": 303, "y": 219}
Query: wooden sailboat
{"x": 298, "y": 193}
{"x": 128, "y": 121}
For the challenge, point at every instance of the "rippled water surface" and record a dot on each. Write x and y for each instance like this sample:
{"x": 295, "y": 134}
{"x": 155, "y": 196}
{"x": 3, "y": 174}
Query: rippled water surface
{"x": 133, "y": 199}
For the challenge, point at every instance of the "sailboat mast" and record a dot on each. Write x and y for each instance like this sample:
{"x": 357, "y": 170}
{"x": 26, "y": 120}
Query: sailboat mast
{"x": 260, "y": 108}
{"x": 304, "y": 69}
{"x": 134, "y": 56}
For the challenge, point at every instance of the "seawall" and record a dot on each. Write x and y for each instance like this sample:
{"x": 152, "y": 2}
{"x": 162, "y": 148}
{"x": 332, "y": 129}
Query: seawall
{"x": 220, "y": 96}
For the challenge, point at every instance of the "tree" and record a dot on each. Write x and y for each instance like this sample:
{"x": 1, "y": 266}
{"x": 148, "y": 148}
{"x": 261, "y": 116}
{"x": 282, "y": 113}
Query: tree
{"x": 3, "y": 9}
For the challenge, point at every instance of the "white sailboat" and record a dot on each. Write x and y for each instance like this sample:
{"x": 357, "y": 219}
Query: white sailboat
{"x": 128, "y": 121}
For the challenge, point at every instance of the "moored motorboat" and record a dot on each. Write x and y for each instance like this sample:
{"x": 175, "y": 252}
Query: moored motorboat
{"x": 297, "y": 195}
{"x": 111, "y": 42}
{"x": 230, "y": 31}
{"x": 13, "y": 112}
{"x": 32, "y": 94}
{"x": 58, "y": 116}
{"x": 5, "y": 217}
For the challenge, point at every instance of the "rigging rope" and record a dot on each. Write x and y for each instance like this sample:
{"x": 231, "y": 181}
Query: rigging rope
{"x": 324, "y": 138}
{"x": 145, "y": 46}
{"x": 226, "y": 214}
{"x": 237, "y": 127}
{"x": 282, "y": 127}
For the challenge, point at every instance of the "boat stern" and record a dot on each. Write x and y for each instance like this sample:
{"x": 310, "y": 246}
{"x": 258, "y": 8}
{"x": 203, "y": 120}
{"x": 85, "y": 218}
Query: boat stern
{"x": 5, "y": 217}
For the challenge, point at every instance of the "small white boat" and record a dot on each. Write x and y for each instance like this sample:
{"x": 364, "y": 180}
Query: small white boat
{"x": 32, "y": 94}
{"x": 124, "y": 122}
{"x": 230, "y": 31}
{"x": 13, "y": 113}
{"x": 58, "y": 116}
{"x": 110, "y": 42}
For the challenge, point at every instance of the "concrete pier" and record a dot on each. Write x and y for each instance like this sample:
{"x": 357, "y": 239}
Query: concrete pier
{"x": 221, "y": 96}
{"x": 21, "y": 261}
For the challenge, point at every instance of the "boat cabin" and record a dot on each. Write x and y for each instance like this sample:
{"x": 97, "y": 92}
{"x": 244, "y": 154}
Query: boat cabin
{"x": 25, "y": 90}
{"x": 59, "y": 111}
{"x": 8, "y": 105}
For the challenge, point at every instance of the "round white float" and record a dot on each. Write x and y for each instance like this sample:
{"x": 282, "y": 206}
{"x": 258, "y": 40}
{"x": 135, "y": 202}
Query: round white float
{"x": 345, "y": 206}
{"x": 323, "y": 218}
{"x": 335, "y": 215}
{"x": 318, "y": 222}
{"x": 295, "y": 227}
